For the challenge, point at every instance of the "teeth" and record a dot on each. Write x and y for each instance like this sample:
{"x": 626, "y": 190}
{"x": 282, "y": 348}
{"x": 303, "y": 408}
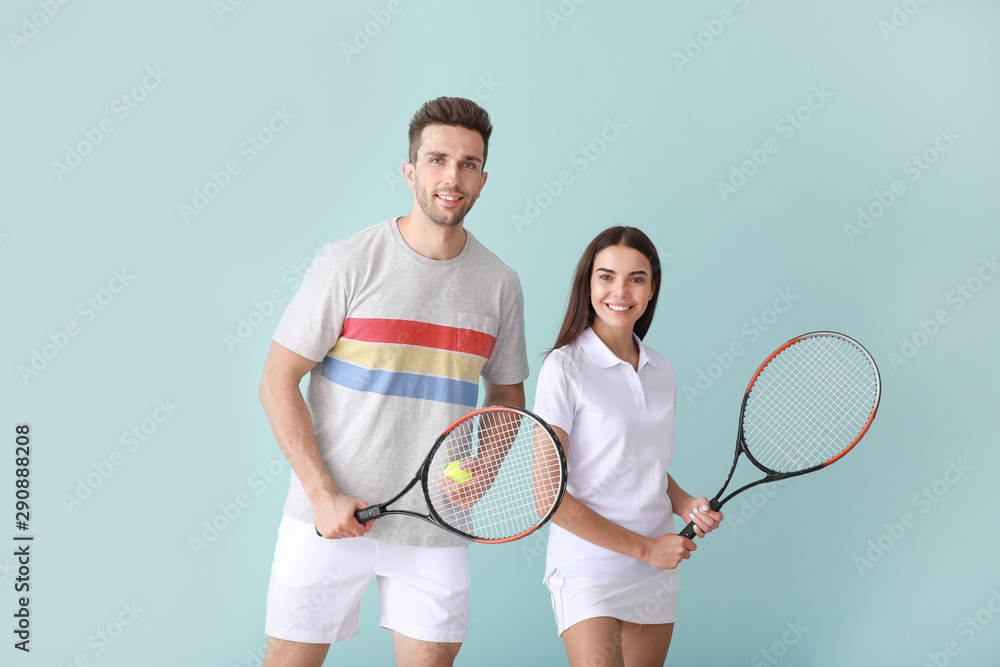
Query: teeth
{"x": 620, "y": 309}
{"x": 446, "y": 197}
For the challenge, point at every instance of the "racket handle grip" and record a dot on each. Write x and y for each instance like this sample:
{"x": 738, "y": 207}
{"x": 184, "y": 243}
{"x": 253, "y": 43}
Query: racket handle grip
{"x": 363, "y": 516}
{"x": 368, "y": 513}
{"x": 688, "y": 531}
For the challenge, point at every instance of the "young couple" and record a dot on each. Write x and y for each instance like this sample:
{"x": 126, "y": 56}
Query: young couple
{"x": 396, "y": 325}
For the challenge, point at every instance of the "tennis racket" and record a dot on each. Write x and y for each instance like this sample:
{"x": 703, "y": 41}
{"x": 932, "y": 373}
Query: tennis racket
{"x": 807, "y": 405}
{"x": 495, "y": 475}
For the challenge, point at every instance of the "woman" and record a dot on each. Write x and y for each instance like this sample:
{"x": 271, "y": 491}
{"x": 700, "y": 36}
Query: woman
{"x": 612, "y": 553}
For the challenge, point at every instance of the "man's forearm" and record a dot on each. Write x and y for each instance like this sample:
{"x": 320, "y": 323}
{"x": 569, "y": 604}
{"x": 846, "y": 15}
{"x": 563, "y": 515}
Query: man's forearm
{"x": 293, "y": 429}
{"x": 504, "y": 394}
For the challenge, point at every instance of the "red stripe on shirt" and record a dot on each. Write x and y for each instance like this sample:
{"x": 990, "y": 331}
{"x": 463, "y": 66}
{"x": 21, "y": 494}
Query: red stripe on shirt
{"x": 422, "y": 334}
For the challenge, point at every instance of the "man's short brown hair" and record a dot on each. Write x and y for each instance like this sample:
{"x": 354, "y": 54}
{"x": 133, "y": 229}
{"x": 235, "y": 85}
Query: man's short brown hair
{"x": 450, "y": 111}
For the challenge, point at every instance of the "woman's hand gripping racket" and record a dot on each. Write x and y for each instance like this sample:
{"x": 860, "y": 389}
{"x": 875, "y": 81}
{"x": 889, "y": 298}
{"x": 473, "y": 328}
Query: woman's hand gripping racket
{"x": 808, "y": 404}
{"x": 495, "y": 475}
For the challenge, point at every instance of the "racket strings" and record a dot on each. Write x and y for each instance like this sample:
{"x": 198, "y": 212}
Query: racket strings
{"x": 809, "y": 404}
{"x": 820, "y": 392}
{"x": 815, "y": 387}
{"x": 507, "y": 480}
{"x": 816, "y": 392}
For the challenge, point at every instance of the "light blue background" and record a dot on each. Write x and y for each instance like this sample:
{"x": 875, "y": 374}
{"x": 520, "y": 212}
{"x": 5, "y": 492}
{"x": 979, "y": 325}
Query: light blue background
{"x": 894, "y": 77}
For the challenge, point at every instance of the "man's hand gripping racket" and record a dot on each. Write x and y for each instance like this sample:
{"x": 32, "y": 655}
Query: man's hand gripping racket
{"x": 495, "y": 475}
{"x": 807, "y": 405}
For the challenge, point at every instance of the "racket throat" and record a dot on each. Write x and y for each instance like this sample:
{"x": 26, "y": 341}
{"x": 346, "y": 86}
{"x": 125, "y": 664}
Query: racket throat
{"x": 770, "y": 477}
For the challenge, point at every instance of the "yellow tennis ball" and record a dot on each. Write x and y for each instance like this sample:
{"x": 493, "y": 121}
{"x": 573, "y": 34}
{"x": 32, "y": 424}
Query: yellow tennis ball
{"x": 454, "y": 470}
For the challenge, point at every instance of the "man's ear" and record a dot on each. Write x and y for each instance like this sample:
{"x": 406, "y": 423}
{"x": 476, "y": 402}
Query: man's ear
{"x": 408, "y": 171}
{"x": 482, "y": 184}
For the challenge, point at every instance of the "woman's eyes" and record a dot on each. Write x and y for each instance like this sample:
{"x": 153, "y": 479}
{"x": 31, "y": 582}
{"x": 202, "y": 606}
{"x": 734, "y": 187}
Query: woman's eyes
{"x": 635, "y": 279}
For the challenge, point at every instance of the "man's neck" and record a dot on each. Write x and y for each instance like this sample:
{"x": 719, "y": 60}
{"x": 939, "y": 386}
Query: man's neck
{"x": 431, "y": 240}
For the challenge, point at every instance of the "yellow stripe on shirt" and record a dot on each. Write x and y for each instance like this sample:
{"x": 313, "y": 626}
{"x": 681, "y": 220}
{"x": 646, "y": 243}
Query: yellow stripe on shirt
{"x": 407, "y": 359}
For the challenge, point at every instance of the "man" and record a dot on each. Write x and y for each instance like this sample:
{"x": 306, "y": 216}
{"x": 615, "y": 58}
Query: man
{"x": 395, "y": 326}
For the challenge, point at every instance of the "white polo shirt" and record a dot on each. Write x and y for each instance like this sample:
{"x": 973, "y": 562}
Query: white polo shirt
{"x": 621, "y": 426}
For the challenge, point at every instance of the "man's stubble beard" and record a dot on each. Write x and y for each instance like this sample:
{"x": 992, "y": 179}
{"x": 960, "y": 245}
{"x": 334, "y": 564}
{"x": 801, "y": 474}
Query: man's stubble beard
{"x": 428, "y": 208}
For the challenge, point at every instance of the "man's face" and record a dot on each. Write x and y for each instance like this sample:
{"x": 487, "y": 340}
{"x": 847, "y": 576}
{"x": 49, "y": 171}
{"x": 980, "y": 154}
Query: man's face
{"x": 447, "y": 176}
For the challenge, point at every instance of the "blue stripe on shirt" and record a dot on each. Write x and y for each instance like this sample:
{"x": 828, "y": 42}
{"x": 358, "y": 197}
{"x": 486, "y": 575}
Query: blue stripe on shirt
{"x": 395, "y": 383}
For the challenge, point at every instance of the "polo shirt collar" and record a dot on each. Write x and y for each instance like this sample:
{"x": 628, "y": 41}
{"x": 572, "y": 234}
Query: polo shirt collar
{"x": 604, "y": 357}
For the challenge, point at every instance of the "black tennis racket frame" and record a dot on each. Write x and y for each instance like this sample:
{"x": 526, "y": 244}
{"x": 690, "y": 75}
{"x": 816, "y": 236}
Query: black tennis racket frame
{"x": 380, "y": 509}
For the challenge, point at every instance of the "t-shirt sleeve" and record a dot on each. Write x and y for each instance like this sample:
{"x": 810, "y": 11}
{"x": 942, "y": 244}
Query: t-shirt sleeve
{"x": 314, "y": 318}
{"x": 555, "y": 398}
{"x": 508, "y": 364}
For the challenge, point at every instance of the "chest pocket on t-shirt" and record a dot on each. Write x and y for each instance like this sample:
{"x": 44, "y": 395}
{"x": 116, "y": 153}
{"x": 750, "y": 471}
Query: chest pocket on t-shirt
{"x": 476, "y": 338}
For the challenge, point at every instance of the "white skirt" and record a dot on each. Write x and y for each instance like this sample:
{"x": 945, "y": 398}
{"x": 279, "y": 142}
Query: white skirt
{"x": 646, "y": 599}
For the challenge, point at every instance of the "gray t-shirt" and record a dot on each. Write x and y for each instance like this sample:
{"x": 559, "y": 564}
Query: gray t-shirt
{"x": 400, "y": 341}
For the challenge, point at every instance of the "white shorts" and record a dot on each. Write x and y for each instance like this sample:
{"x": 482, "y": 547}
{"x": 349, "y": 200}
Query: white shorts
{"x": 316, "y": 586}
{"x": 645, "y": 600}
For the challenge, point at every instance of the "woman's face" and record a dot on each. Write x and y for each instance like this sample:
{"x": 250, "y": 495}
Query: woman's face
{"x": 621, "y": 286}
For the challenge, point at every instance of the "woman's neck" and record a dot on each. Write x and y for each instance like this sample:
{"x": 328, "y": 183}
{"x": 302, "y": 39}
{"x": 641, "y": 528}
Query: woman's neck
{"x": 619, "y": 341}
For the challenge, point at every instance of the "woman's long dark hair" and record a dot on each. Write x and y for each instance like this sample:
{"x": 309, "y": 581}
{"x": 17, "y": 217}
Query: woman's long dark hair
{"x": 580, "y": 313}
